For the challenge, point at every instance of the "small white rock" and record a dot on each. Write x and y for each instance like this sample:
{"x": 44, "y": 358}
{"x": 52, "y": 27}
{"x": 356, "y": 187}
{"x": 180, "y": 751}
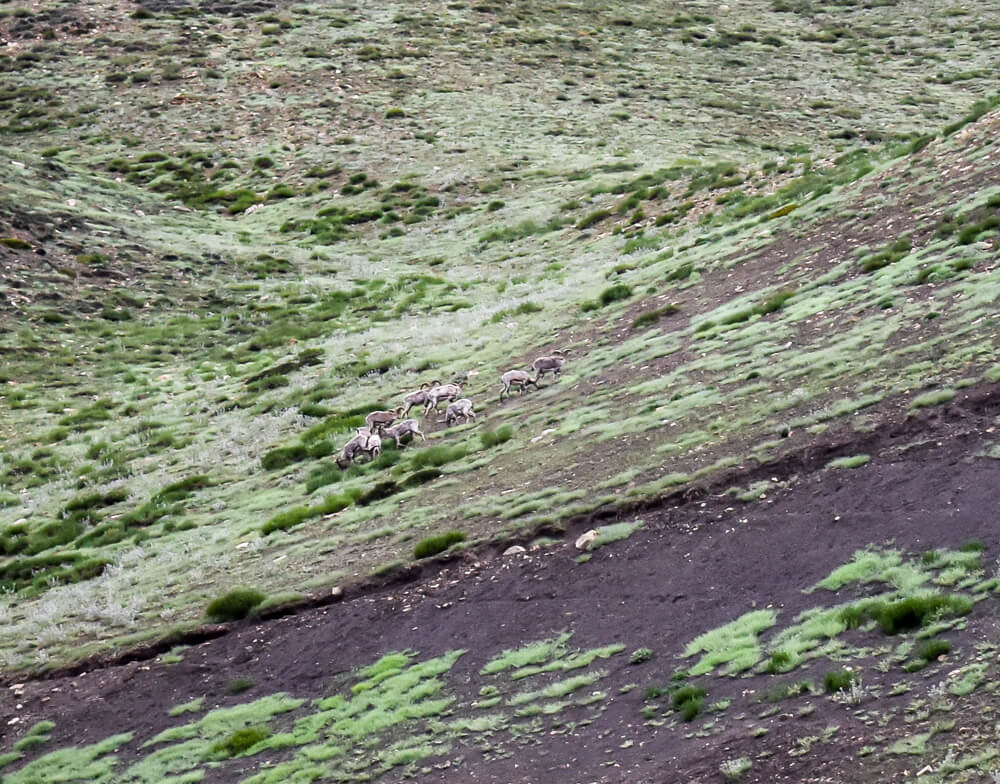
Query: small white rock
{"x": 514, "y": 550}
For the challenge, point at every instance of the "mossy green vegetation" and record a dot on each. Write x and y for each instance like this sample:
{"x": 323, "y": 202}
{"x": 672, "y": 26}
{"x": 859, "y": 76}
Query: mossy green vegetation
{"x": 907, "y": 604}
{"x": 606, "y": 534}
{"x": 437, "y": 544}
{"x": 735, "y": 645}
{"x": 407, "y": 707}
{"x": 234, "y": 605}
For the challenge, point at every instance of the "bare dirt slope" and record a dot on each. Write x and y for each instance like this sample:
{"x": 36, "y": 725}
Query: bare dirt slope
{"x": 694, "y": 566}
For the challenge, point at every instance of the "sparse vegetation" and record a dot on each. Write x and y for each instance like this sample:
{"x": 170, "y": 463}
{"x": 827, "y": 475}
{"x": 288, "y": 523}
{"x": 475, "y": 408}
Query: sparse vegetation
{"x": 232, "y": 229}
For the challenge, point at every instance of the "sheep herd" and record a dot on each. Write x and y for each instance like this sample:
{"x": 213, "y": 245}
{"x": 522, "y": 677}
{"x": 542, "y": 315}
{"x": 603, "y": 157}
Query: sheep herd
{"x": 382, "y": 425}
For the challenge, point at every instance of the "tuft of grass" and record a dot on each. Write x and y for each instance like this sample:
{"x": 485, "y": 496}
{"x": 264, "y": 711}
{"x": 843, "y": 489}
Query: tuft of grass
{"x": 533, "y": 653}
{"x": 854, "y": 461}
{"x": 435, "y": 456}
{"x": 433, "y": 545}
{"x": 933, "y": 398}
{"x": 615, "y": 293}
{"x": 331, "y": 504}
{"x": 559, "y": 688}
{"x": 286, "y": 519}
{"x": 734, "y": 644}
{"x": 235, "y": 605}
{"x": 972, "y": 677}
{"x": 914, "y": 612}
{"x": 284, "y": 457}
{"x": 327, "y": 475}
{"x": 422, "y": 476}
{"x": 15, "y": 243}
{"x": 681, "y": 272}
{"x": 929, "y": 650}
{"x": 492, "y": 438}
{"x": 775, "y": 302}
{"x": 377, "y": 492}
{"x": 837, "y": 680}
{"x": 652, "y": 316}
{"x": 780, "y": 661}
{"x": 688, "y": 701}
{"x": 96, "y": 761}
{"x": 593, "y": 218}
{"x": 240, "y": 685}
{"x": 887, "y": 255}
{"x": 606, "y": 534}
{"x": 192, "y": 706}
{"x": 239, "y": 742}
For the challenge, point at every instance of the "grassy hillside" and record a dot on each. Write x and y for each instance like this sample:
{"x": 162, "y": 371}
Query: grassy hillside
{"x": 233, "y": 228}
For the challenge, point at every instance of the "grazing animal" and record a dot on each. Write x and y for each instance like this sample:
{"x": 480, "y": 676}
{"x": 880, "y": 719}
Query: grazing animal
{"x": 440, "y": 392}
{"x": 460, "y": 408}
{"x": 365, "y": 442}
{"x": 552, "y": 364}
{"x": 378, "y": 420}
{"x": 417, "y": 398}
{"x": 408, "y": 427}
{"x": 515, "y": 378}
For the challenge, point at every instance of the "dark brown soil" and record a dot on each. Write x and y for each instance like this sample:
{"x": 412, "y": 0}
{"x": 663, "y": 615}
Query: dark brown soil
{"x": 694, "y": 566}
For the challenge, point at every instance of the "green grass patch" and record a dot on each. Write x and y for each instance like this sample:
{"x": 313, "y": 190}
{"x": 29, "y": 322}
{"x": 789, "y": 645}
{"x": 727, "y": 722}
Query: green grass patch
{"x": 531, "y": 654}
{"x": 854, "y": 461}
{"x": 913, "y": 612}
{"x": 433, "y": 545}
{"x": 935, "y": 398}
{"x": 886, "y": 256}
{"x": 735, "y": 644}
{"x": 94, "y": 762}
{"x": 235, "y": 605}
{"x": 930, "y": 650}
{"x": 651, "y": 317}
{"x": 688, "y": 701}
{"x": 615, "y": 293}
{"x": 606, "y": 534}
{"x": 193, "y": 706}
{"x": 492, "y": 438}
{"x": 284, "y": 457}
{"x": 837, "y": 680}
{"x": 239, "y": 742}
{"x": 435, "y": 456}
